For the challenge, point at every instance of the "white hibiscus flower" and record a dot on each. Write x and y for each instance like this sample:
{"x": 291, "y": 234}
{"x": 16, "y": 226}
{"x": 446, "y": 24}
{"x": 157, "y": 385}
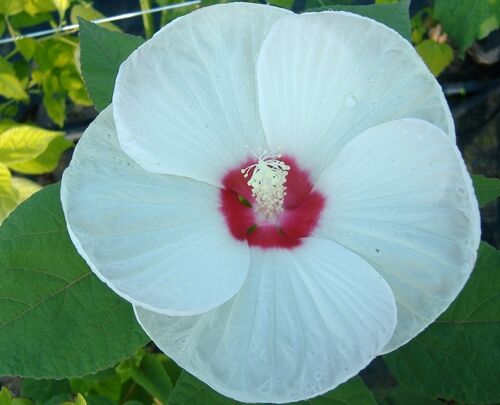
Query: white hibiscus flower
{"x": 275, "y": 275}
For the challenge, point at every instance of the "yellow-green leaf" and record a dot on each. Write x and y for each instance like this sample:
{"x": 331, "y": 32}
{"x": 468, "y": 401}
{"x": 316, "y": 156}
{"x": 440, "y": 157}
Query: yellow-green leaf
{"x": 47, "y": 161}
{"x": 10, "y": 7}
{"x": 89, "y": 13}
{"x": 24, "y": 142}
{"x": 8, "y": 195}
{"x": 33, "y": 7}
{"x": 10, "y": 85}
{"x": 62, "y": 6}
{"x": 435, "y": 55}
{"x": 26, "y": 46}
{"x": 79, "y": 400}
{"x": 25, "y": 188}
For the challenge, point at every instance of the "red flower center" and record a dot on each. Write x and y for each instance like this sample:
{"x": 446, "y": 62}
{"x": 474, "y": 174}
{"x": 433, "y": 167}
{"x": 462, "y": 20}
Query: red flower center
{"x": 301, "y": 209}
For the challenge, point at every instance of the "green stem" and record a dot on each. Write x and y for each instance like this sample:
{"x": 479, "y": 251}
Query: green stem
{"x": 147, "y": 19}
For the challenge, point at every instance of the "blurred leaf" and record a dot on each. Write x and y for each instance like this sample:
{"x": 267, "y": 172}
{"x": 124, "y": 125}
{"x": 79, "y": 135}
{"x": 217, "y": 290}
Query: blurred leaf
{"x": 79, "y": 400}
{"x": 151, "y": 375}
{"x": 395, "y": 16}
{"x": 47, "y": 161}
{"x": 435, "y": 55}
{"x": 457, "y": 357}
{"x": 106, "y": 382}
{"x": 191, "y": 391}
{"x": 8, "y": 194}
{"x": 10, "y": 86}
{"x": 25, "y": 188}
{"x": 33, "y": 7}
{"x": 10, "y": 7}
{"x": 25, "y": 20}
{"x": 465, "y": 21}
{"x": 26, "y": 47}
{"x": 6, "y": 398}
{"x": 24, "y": 142}
{"x": 487, "y": 189}
{"x": 54, "y": 99}
{"x": 41, "y": 391}
{"x": 57, "y": 320}
{"x": 170, "y": 15}
{"x": 62, "y": 6}
{"x": 100, "y": 400}
{"x": 102, "y": 52}
{"x": 89, "y": 13}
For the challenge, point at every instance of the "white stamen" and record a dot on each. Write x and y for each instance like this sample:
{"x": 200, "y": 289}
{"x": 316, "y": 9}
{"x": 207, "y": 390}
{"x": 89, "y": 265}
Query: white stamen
{"x": 268, "y": 183}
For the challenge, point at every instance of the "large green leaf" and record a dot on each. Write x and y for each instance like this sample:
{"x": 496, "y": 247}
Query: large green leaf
{"x": 458, "y": 356}
{"x": 487, "y": 189}
{"x": 191, "y": 391}
{"x": 102, "y": 52}
{"x": 395, "y": 16}
{"x": 57, "y": 320}
{"x": 467, "y": 20}
{"x": 21, "y": 143}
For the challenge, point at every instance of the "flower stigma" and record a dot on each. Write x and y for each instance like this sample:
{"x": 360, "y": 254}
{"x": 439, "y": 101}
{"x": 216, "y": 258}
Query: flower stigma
{"x": 267, "y": 181}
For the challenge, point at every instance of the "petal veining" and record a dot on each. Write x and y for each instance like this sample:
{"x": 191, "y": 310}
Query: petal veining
{"x": 157, "y": 240}
{"x": 323, "y": 78}
{"x": 305, "y": 321}
{"x": 400, "y": 196}
{"x": 185, "y": 102}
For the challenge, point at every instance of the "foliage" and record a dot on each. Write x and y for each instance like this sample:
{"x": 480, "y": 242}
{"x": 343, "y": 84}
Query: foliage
{"x": 102, "y": 53}
{"x": 59, "y": 321}
{"x": 29, "y": 150}
{"x": 460, "y": 344}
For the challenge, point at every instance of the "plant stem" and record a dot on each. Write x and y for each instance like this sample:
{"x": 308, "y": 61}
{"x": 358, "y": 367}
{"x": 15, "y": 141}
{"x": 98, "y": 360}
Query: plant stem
{"x": 147, "y": 19}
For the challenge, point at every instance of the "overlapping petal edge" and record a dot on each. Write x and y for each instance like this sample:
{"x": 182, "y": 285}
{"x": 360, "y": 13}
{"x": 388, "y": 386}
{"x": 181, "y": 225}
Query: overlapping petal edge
{"x": 200, "y": 130}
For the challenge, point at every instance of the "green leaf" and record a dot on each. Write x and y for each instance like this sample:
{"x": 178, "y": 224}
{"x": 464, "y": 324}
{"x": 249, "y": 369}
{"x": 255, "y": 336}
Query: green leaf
{"x": 26, "y": 46}
{"x": 465, "y": 21}
{"x": 89, "y": 13}
{"x": 25, "y": 188}
{"x": 191, "y": 391}
{"x": 487, "y": 189}
{"x": 6, "y": 398}
{"x": 41, "y": 391}
{"x": 33, "y": 7}
{"x": 47, "y": 161}
{"x": 152, "y": 376}
{"x": 10, "y": 7}
{"x": 61, "y": 6}
{"x": 24, "y": 142}
{"x": 57, "y": 320}
{"x": 107, "y": 383}
{"x": 457, "y": 357}
{"x": 8, "y": 194}
{"x": 10, "y": 85}
{"x": 395, "y": 16}
{"x": 79, "y": 400}
{"x": 54, "y": 98}
{"x": 435, "y": 55}
{"x": 102, "y": 52}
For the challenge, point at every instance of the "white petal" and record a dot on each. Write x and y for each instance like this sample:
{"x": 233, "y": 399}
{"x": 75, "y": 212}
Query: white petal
{"x": 185, "y": 102}
{"x": 158, "y": 240}
{"x": 400, "y": 196}
{"x": 323, "y": 78}
{"x": 305, "y": 321}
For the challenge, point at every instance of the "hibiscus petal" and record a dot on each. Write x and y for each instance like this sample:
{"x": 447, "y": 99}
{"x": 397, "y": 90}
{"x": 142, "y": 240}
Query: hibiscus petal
{"x": 185, "y": 102}
{"x": 400, "y": 196}
{"x": 323, "y": 78}
{"x": 305, "y": 321}
{"x": 158, "y": 240}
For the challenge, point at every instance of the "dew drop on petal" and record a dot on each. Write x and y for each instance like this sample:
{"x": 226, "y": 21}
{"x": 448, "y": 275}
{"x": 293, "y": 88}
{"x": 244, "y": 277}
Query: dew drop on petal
{"x": 350, "y": 102}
